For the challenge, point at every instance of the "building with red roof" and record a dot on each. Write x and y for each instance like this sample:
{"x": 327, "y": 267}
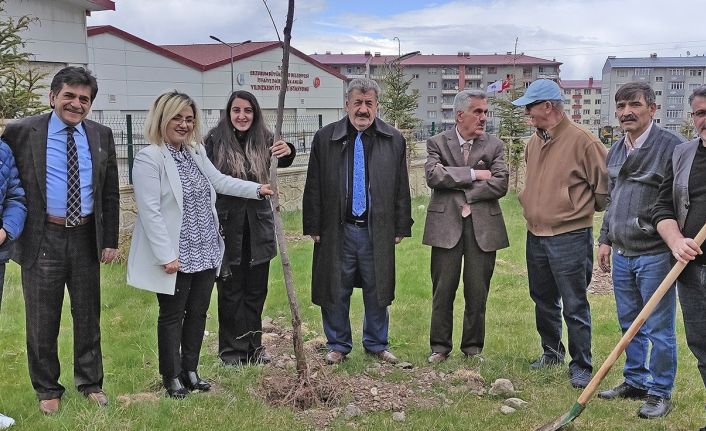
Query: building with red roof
{"x": 582, "y": 102}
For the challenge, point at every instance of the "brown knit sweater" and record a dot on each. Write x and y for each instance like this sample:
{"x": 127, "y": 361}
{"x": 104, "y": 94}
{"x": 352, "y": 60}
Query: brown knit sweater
{"x": 566, "y": 180}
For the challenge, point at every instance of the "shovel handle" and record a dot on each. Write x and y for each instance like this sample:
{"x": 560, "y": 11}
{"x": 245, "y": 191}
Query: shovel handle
{"x": 637, "y": 324}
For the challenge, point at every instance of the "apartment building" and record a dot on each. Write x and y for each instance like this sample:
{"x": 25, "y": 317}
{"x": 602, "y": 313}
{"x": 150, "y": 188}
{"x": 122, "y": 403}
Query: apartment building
{"x": 672, "y": 78}
{"x": 582, "y": 102}
{"x": 438, "y": 78}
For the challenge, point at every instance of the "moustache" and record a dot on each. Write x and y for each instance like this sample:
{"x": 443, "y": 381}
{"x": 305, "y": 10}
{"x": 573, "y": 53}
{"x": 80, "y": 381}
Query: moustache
{"x": 361, "y": 115}
{"x": 628, "y": 118}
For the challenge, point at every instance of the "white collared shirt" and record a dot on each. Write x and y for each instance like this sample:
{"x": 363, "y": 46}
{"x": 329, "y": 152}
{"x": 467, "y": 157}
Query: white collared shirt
{"x": 639, "y": 142}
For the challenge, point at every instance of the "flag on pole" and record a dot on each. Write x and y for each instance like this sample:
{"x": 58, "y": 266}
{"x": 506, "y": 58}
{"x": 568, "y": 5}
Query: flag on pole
{"x": 495, "y": 87}
{"x": 505, "y": 85}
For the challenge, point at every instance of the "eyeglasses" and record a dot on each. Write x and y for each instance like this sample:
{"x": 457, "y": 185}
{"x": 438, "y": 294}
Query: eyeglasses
{"x": 531, "y": 105}
{"x": 178, "y": 120}
{"x": 698, "y": 114}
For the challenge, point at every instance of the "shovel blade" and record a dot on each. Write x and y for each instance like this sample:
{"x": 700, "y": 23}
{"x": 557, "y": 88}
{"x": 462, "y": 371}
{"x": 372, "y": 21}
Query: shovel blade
{"x": 564, "y": 419}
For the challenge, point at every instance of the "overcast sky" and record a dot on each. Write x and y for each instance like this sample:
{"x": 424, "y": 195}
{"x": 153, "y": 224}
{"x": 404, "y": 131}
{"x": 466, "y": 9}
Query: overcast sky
{"x": 578, "y": 33}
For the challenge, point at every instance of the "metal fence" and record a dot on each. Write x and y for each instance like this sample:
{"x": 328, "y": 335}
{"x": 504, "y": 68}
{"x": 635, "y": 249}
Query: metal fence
{"x": 128, "y": 132}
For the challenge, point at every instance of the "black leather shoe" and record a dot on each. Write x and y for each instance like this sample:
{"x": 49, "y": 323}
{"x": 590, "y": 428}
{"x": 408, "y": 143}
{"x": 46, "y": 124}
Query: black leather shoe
{"x": 623, "y": 390}
{"x": 175, "y": 388}
{"x": 546, "y": 361}
{"x": 193, "y": 382}
{"x": 655, "y": 407}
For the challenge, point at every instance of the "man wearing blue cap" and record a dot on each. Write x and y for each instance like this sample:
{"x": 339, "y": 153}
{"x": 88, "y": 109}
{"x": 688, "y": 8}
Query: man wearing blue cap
{"x": 566, "y": 182}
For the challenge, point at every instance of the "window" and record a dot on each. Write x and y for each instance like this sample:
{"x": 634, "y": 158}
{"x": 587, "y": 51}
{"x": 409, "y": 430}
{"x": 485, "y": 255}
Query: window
{"x": 586, "y": 122}
{"x": 577, "y": 112}
{"x": 656, "y": 120}
{"x": 567, "y": 101}
{"x": 597, "y": 112}
{"x": 693, "y": 87}
{"x": 541, "y": 69}
{"x": 622, "y": 73}
{"x": 598, "y": 91}
{"x": 676, "y": 72}
{"x": 567, "y": 91}
{"x": 674, "y": 113}
{"x": 695, "y": 72}
{"x": 596, "y": 122}
{"x": 586, "y": 101}
{"x": 659, "y": 106}
{"x": 473, "y": 70}
{"x": 658, "y": 79}
{"x": 432, "y": 71}
{"x": 586, "y": 111}
{"x": 431, "y": 114}
{"x": 432, "y": 85}
{"x": 658, "y": 93}
{"x": 676, "y": 85}
{"x": 672, "y": 127}
{"x": 672, "y": 100}
{"x": 598, "y": 101}
{"x": 349, "y": 69}
{"x": 415, "y": 76}
{"x": 643, "y": 71}
{"x": 586, "y": 91}
{"x": 431, "y": 99}
{"x": 492, "y": 69}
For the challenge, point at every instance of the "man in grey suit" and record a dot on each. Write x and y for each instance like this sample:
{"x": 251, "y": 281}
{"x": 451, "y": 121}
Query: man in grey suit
{"x": 466, "y": 170}
{"x": 69, "y": 172}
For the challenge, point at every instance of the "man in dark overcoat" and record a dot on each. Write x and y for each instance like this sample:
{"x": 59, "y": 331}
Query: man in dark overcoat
{"x": 356, "y": 208}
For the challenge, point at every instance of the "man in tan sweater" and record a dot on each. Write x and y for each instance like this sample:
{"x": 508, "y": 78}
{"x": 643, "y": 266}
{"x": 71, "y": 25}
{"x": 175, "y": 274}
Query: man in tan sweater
{"x": 566, "y": 182}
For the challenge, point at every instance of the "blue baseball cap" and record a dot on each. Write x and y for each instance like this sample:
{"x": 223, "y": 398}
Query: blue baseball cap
{"x": 540, "y": 90}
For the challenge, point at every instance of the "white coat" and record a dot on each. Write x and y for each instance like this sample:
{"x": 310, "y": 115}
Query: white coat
{"x": 159, "y": 199}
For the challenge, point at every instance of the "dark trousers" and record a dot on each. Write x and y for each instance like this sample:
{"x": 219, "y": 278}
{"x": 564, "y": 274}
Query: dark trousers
{"x": 67, "y": 257}
{"x": 2, "y": 280}
{"x": 356, "y": 257}
{"x": 478, "y": 268}
{"x": 692, "y": 297}
{"x": 559, "y": 269}
{"x": 241, "y": 299}
{"x": 181, "y": 322}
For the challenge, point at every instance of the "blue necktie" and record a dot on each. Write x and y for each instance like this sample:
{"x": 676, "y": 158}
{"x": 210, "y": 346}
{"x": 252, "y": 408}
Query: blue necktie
{"x": 359, "y": 200}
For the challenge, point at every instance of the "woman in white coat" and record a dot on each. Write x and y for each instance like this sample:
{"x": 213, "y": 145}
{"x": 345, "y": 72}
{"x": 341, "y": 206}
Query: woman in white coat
{"x": 176, "y": 249}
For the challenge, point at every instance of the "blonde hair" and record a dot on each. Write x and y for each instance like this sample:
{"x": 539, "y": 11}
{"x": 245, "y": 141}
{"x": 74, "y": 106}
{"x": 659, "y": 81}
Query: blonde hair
{"x": 166, "y": 107}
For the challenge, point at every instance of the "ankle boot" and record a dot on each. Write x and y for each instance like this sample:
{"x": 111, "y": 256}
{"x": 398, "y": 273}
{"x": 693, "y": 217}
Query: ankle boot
{"x": 175, "y": 388}
{"x": 194, "y": 382}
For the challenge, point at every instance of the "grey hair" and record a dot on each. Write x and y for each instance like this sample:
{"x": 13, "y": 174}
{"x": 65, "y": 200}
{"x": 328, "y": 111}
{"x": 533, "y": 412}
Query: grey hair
{"x": 633, "y": 90}
{"x": 699, "y": 92}
{"x": 557, "y": 104}
{"x": 363, "y": 85}
{"x": 463, "y": 99}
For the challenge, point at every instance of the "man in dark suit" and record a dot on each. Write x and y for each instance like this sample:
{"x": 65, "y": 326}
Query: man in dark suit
{"x": 467, "y": 173}
{"x": 69, "y": 172}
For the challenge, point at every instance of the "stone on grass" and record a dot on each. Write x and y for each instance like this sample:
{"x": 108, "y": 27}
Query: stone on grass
{"x": 404, "y": 365}
{"x": 507, "y": 410}
{"x": 268, "y": 325}
{"x": 515, "y": 403}
{"x": 502, "y": 388}
{"x": 352, "y": 411}
{"x": 399, "y": 416}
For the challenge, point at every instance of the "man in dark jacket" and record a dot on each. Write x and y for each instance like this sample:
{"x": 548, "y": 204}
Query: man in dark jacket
{"x": 636, "y": 165}
{"x": 356, "y": 207}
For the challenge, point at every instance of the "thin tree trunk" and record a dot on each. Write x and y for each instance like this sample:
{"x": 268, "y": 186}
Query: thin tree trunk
{"x": 298, "y": 341}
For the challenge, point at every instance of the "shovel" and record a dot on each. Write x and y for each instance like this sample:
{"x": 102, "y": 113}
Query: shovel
{"x": 618, "y": 350}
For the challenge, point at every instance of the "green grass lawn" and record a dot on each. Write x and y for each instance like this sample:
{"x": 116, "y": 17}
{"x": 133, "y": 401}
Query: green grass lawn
{"x": 130, "y": 357}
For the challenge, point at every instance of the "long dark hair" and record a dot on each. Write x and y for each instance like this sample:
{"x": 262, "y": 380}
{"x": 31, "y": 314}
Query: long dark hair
{"x": 230, "y": 153}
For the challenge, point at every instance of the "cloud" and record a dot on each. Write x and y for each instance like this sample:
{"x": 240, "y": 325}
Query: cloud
{"x": 578, "y": 33}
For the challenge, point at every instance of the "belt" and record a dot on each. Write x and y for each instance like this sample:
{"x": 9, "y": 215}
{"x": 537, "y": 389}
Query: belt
{"x": 357, "y": 222}
{"x": 62, "y": 220}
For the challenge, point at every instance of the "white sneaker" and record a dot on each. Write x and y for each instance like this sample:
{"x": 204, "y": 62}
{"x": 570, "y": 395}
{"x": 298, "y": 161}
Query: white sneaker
{"x": 6, "y": 422}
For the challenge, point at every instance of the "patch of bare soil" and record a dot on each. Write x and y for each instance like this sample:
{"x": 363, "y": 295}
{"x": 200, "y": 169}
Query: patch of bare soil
{"x": 601, "y": 282}
{"x": 328, "y": 394}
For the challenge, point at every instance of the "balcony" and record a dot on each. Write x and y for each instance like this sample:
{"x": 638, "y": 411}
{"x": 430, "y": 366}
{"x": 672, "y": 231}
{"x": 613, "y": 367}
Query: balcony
{"x": 577, "y": 96}
{"x": 576, "y": 117}
{"x": 547, "y": 76}
{"x": 575, "y": 106}
{"x": 452, "y": 76}
{"x": 448, "y": 121}
{"x": 447, "y": 106}
{"x": 449, "y": 91}
{"x": 355, "y": 75}
{"x": 473, "y": 77}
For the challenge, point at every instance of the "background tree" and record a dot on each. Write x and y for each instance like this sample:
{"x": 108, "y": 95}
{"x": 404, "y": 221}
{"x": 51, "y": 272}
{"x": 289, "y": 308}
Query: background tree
{"x": 513, "y": 127}
{"x": 19, "y": 82}
{"x": 687, "y": 128}
{"x": 398, "y": 103}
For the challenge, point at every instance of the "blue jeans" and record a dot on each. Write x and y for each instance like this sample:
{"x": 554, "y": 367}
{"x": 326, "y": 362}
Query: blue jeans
{"x": 559, "y": 269}
{"x": 692, "y": 296}
{"x": 635, "y": 279}
{"x": 356, "y": 257}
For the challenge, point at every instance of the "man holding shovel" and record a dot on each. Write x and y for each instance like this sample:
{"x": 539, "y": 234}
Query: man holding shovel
{"x": 636, "y": 164}
{"x": 678, "y": 215}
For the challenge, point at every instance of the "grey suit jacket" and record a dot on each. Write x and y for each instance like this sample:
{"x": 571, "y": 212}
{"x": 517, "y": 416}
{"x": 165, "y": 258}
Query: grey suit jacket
{"x": 28, "y": 140}
{"x": 451, "y": 184}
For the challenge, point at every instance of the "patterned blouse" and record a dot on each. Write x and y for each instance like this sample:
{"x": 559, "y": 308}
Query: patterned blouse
{"x": 199, "y": 248}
